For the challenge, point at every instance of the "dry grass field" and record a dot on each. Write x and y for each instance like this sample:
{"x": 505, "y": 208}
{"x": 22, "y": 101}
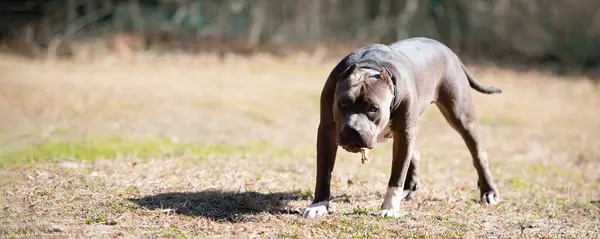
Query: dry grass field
{"x": 179, "y": 147}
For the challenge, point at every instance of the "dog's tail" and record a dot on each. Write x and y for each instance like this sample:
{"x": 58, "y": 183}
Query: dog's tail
{"x": 478, "y": 86}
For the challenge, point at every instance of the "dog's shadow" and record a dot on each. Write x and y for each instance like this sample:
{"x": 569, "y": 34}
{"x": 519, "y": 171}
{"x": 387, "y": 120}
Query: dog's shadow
{"x": 221, "y": 205}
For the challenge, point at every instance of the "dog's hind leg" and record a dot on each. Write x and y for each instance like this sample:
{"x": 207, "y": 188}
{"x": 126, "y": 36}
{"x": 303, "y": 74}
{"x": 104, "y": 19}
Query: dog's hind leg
{"x": 455, "y": 103}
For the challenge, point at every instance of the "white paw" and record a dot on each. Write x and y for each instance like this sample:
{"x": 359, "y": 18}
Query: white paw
{"x": 394, "y": 213}
{"x": 391, "y": 203}
{"x": 316, "y": 209}
{"x": 490, "y": 198}
{"x": 392, "y": 199}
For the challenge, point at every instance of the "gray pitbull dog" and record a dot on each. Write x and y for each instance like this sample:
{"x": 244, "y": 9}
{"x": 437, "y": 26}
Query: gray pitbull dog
{"x": 378, "y": 92}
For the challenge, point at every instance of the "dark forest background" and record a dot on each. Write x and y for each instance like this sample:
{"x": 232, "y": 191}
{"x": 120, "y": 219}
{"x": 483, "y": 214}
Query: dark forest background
{"x": 562, "y": 33}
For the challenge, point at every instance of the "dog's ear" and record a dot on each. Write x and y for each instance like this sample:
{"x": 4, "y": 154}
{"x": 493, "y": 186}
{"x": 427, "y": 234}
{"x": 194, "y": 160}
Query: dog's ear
{"x": 348, "y": 71}
{"x": 385, "y": 76}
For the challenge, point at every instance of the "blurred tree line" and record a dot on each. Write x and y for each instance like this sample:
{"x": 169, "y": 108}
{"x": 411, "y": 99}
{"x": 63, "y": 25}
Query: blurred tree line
{"x": 563, "y": 31}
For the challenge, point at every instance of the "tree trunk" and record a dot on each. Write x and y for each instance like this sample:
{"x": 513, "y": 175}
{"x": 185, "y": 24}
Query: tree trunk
{"x": 259, "y": 12}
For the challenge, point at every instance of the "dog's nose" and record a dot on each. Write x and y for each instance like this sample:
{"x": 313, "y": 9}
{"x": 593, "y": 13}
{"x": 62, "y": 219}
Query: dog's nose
{"x": 350, "y": 133}
{"x": 351, "y": 137}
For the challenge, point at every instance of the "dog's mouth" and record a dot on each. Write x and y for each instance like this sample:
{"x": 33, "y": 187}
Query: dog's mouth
{"x": 351, "y": 146}
{"x": 354, "y": 148}
{"x": 351, "y": 149}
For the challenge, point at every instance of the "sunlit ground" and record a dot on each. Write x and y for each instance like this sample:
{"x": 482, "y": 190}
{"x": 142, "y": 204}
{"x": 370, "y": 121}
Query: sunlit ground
{"x": 177, "y": 146}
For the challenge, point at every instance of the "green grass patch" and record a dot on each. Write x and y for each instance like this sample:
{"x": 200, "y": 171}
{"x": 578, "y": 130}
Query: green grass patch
{"x": 93, "y": 149}
{"x": 95, "y": 219}
{"x": 132, "y": 191}
{"x": 122, "y": 206}
{"x": 522, "y": 184}
{"x": 173, "y": 232}
{"x": 361, "y": 227}
{"x": 360, "y": 211}
{"x": 304, "y": 193}
{"x": 544, "y": 170}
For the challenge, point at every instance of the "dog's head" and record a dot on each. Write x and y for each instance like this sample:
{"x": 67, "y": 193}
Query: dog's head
{"x": 361, "y": 106}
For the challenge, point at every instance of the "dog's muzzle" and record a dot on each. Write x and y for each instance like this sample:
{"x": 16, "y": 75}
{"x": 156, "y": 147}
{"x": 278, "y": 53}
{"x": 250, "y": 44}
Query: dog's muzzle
{"x": 351, "y": 139}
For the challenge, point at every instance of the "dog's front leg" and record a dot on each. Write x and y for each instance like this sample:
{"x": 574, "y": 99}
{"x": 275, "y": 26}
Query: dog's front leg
{"x": 404, "y": 143}
{"x": 326, "y": 152}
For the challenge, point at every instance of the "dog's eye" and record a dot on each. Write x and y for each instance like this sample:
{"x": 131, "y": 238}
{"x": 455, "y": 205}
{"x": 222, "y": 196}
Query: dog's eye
{"x": 343, "y": 104}
{"x": 372, "y": 109}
